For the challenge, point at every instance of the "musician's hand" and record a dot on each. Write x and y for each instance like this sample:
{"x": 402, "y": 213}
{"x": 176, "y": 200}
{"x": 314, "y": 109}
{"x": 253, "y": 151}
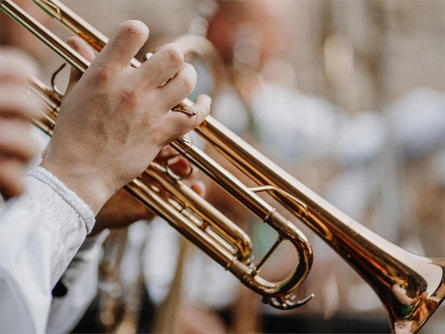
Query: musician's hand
{"x": 123, "y": 209}
{"x": 17, "y": 108}
{"x": 116, "y": 119}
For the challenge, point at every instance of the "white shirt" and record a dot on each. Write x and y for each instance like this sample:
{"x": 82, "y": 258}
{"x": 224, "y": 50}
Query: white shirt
{"x": 40, "y": 233}
{"x": 81, "y": 281}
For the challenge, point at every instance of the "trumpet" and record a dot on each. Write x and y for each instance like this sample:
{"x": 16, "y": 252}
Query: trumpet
{"x": 411, "y": 287}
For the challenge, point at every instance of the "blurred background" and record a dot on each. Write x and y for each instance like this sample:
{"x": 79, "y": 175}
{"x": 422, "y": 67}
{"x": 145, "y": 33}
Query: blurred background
{"x": 348, "y": 96}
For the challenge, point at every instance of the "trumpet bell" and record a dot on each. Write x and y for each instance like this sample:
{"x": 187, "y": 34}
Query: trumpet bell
{"x": 411, "y": 294}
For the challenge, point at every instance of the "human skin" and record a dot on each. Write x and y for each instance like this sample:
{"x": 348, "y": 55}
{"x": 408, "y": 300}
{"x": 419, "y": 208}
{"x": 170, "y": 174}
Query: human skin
{"x": 17, "y": 108}
{"x": 116, "y": 119}
{"x": 123, "y": 209}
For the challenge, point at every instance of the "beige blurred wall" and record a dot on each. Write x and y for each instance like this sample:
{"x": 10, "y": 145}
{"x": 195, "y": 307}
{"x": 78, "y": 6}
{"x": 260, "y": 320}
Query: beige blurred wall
{"x": 396, "y": 46}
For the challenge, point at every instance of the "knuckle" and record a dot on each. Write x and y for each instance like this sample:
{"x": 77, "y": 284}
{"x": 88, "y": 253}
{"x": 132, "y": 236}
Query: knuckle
{"x": 128, "y": 96}
{"x": 148, "y": 81}
{"x": 3, "y": 139}
{"x": 12, "y": 73}
{"x": 134, "y": 27}
{"x": 196, "y": 122}
{"x": 188, "y": 78}
{"x": 7, "y": 134}
{"x": 102, "y": 76}
{"x": 188, "y": 84}
{"x": 17, "y": 65}
{"x": 174, "y": 54}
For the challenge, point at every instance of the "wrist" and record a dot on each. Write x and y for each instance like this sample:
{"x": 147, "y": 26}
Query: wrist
{"x": 89, "y": 185}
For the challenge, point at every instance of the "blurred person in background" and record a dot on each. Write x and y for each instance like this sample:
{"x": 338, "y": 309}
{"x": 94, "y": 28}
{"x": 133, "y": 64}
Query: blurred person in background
{"x": 17, "y": 148}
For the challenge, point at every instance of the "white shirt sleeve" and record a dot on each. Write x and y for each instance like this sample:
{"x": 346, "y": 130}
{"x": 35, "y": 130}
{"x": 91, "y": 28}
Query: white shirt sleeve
{"x": 80, "y": 279}
{"x": 40, "y": 232}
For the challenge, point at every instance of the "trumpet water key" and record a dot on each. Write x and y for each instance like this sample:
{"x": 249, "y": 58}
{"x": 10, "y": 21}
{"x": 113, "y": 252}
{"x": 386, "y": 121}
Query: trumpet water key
{"x": 411, "y": 287}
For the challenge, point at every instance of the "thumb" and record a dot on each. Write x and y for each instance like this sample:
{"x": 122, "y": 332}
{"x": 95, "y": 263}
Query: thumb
{"x": 84, "y": 50}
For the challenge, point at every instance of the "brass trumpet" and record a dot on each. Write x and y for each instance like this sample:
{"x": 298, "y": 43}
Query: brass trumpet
{"x": 411, "y": 287}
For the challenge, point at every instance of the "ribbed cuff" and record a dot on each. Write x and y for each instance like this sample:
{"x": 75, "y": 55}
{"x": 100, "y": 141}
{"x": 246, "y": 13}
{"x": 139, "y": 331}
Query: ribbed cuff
{"x": 61, "y": 201}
